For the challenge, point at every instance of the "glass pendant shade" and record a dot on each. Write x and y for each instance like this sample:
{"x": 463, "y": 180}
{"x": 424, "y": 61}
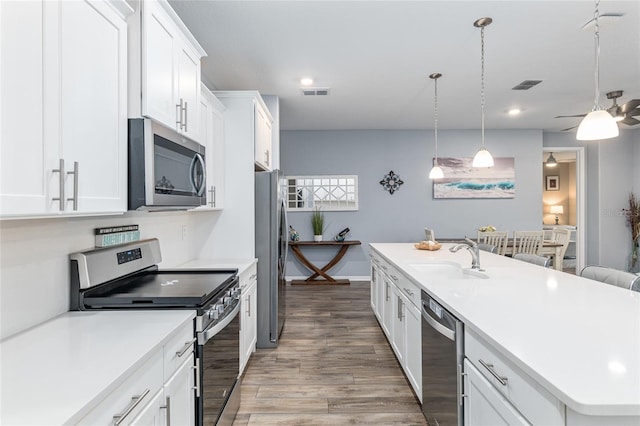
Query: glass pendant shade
{"x": 597, "y": 125}
{"x": 482, "y": 158}
{"x": 436, "y": 172}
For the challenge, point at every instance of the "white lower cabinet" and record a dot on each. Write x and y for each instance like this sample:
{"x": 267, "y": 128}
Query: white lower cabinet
{"x": 484, "y": 405}
{"x": 248, "y": 315}
{"x": 160, "y": 392}
{"x": 393, "y": 301}
{"x": 516, "y": 389}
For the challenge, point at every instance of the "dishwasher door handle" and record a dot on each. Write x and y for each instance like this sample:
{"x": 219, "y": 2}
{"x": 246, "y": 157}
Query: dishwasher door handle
{"x": 446, "y": 332}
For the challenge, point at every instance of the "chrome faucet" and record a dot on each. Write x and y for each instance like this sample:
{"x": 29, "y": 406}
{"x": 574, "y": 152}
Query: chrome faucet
{"x": 472, "y": 246}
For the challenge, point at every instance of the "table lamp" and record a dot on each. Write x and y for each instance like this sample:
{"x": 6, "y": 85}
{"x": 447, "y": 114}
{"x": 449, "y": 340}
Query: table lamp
{"x": 557, "y": 210}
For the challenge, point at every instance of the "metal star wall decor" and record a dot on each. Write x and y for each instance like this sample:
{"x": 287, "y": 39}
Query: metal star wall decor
{"x": 391, "y": 182}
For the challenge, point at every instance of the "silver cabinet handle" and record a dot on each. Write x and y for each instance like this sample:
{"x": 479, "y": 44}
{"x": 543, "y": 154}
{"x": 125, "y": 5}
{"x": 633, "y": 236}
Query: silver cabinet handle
{"x": 179, "y": 115}
{"x": 135, "y": 400}
{"x": 266, "y": 157}
{"x": 386, "y": 292}
{"x": 393, "y": 277}
{"x": 400, "y": 306}
{"x": 408, "y": 291}
{"x": 186, "y": 115}
{"x": 502, "y": 380}
{"x": 197, "y": 373}
{"x": 167, "y": 407}
{"x": 61, "y": 177}
{"x": 185, "y": 348}
{"x": 75, "y": 186}
{"x": 384, "y": 267}
{"x": 249, "y": 305}
{"x": 212, "y": 191}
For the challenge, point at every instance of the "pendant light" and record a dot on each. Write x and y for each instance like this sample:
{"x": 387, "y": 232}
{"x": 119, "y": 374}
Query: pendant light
{"x": 551, "y": 161}
{"x": 598, "y": 124}
{"x": 436, "y": 171}
{"x": 482, "y": 158}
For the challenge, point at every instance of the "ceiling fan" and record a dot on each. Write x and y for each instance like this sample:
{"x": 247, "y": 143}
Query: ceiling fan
{"x": 621, "y": 113}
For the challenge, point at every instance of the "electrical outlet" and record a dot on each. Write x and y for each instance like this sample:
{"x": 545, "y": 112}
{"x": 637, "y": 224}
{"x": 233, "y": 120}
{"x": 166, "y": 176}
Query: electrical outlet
{"x": 184, "y": 232}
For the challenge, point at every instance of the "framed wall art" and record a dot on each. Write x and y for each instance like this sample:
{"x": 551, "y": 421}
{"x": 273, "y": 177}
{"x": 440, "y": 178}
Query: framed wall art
{"x": 553, "y": 183}
{"x": 462, "y": 180}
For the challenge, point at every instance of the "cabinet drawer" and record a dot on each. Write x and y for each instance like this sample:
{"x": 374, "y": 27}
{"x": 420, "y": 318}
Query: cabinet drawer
{"x": 529, "y": 397}
{"x": 248, "y": 275}
{"x": 407, "y": 287}
{"x": 178, "y": 349}
{"x": 142, "y": 384}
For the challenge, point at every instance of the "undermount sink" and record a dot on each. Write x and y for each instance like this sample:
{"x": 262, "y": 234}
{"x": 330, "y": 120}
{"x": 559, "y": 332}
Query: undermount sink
{"x": 448, "y": 271}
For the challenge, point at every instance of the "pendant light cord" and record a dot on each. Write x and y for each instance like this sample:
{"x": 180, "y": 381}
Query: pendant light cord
{"x": 436, "y": 118}
{"x": 596, "y": 16}
{"x": 482, "y": 82}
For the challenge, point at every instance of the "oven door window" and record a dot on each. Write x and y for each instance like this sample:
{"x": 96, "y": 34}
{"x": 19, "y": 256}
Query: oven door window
{"x": 177, "y": 170}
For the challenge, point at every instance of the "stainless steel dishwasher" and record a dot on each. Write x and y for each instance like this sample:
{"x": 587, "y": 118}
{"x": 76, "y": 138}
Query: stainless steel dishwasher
{"x": 442, "y": 357}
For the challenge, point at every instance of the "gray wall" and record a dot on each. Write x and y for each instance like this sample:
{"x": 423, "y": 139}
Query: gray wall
{"x": 402, "y": 216}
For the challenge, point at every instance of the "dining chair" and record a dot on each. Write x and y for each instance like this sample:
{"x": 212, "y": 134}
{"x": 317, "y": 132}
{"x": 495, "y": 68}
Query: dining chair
{"x": 533, "y": 258}
{"x": 527, "y": 242}
{"x": 612, "y": 276}
{"x": 487, "y": 247}
{"x": 494, "y": 238}
{"x": 561, "y": 236}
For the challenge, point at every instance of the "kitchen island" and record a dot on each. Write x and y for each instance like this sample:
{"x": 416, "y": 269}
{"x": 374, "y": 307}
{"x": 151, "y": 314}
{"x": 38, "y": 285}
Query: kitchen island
{"x": 575, "y": 340}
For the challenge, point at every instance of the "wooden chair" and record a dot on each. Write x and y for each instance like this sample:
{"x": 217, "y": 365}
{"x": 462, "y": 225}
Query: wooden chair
{"x": 494, "y": 238}
{"x": 561, "y": 236}
{"x": 533, "y": 258}
{"x": 527, "y": 242}
{"x": 612, "y": 276}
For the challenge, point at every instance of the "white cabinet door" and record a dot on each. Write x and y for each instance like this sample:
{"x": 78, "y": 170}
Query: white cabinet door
{"x": 65, "y": 101}
{"x": 374, "y": 291}
{"x": 158, "y": 69}
{"x": 212, "y": 134}
{"x": 170, "y": 71}
{"x": 484, "y": 405}
{"x": 413, "y": 348}
{"x": 25, "y": 180}
{"x": 179, "y": 396}
{"x": 399, "y": 334}
{"x": 93, "y": 116}
{"x": 248, "y": 323}
{"x": 263, "y": 137}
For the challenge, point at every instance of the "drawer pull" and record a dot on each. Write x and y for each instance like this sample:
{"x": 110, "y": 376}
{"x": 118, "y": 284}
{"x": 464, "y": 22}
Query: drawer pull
{"x": 185, "y": 348}
{"x": 384, "y": 267}
{"x": 502, "y": 380}
{"x": 197, "y": 373}
{"x": 135, "y": 400}
{"x": 393, "y": 277}
{"x": 408, "y": 291}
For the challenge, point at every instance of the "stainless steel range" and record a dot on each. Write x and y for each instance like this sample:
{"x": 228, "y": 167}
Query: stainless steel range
{"x": 127, "y": 277}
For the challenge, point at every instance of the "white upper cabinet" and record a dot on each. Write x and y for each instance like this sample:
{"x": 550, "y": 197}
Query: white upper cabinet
{"x": 64, "y": 107}
{"x": 212, "y": 133}
{"x": 263, "y": 137}
{"x": 168, "y": 71}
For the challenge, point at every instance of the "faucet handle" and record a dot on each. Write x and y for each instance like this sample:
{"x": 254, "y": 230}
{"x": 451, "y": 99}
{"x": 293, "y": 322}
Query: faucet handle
{"x": 470, "y": 241}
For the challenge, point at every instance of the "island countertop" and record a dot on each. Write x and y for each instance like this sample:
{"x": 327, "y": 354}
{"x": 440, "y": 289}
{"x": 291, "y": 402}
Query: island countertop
{"x": 578, "y": 338}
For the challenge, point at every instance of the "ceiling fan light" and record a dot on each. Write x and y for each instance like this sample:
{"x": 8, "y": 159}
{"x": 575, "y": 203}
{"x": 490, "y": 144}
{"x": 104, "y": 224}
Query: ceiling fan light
{"x": 436, "y": 173}
{"x": 482, "y": 158}
{"x": 597, "y": 125}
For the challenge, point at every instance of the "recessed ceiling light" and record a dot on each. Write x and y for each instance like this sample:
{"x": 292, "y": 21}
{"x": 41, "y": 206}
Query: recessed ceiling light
{"x": 306, "y": 81}
{"x": 514, "y": 111}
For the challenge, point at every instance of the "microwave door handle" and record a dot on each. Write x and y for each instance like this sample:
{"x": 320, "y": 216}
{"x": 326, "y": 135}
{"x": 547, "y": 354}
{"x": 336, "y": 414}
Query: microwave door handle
{"x": 199, "y": 189}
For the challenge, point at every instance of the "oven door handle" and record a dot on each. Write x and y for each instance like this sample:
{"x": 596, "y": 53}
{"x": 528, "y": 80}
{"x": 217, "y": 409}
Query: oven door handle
{"x": 204, "y": 336}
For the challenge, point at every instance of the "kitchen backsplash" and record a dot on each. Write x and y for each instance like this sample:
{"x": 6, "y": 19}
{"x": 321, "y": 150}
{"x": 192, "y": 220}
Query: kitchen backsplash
{"x": 34, "y": 274}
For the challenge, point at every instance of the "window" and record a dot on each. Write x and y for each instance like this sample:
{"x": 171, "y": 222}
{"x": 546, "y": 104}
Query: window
{"x": 331, "y": 192}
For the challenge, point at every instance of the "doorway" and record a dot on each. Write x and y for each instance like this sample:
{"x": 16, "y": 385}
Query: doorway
{"x": 563, "y": 199}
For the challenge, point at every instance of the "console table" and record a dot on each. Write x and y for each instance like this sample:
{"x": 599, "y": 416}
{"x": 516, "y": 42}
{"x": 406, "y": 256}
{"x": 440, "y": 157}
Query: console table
{"x": 321, "y": 272}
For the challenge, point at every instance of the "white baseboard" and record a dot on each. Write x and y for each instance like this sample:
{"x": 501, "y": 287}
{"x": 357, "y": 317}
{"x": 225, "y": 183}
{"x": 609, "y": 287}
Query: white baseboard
{"x": 351, "y": 278}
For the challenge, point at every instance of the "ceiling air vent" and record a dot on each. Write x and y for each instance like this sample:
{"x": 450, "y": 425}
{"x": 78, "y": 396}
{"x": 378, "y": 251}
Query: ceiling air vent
{"x": 315, "y": 91}
{"x": 526, "y": 84}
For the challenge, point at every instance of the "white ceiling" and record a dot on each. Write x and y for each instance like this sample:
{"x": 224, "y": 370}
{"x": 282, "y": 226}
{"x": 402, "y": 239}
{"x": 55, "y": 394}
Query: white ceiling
{"x": 375, "y": 56}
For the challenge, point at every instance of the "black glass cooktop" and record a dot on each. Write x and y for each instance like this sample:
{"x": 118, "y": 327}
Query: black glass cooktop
{"x": 161, "y": 289}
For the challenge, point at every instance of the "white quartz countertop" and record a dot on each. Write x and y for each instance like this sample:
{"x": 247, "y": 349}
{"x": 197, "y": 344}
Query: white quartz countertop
{"x": 56, "y": 372}
{"x": 580, "y": 339}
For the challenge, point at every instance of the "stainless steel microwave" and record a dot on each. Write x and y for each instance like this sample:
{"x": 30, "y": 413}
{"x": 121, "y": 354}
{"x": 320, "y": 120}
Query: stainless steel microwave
{"x": 166, "y": 169}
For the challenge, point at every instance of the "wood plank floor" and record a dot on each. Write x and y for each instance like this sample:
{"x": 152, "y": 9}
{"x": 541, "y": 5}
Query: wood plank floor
{"x": 333, "y": 366}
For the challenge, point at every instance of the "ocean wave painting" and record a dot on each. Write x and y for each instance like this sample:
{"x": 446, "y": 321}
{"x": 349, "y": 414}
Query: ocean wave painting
{"x": 461, "y": 180}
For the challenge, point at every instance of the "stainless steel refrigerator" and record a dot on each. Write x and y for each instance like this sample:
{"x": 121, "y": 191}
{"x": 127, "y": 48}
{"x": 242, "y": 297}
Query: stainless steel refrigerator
{"x": 271, "y": 250}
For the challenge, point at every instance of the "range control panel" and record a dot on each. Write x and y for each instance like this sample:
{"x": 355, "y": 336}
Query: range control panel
{"x": 129, "y": 255}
